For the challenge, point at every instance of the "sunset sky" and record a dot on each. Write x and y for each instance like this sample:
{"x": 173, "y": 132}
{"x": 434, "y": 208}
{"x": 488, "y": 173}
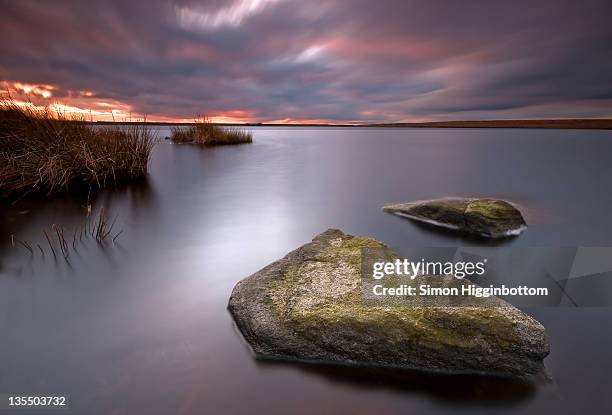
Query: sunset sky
{"x": 299, "y": 61}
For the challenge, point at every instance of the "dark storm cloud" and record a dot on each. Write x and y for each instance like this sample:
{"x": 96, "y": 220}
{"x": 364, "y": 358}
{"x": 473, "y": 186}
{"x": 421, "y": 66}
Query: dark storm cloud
{"x": 388, "y": 60}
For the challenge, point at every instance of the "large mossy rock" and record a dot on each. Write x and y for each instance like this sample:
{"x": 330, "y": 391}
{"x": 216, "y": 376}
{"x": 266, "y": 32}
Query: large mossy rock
{"x": 309, "y": 306}
{"x": 490, "y": 218}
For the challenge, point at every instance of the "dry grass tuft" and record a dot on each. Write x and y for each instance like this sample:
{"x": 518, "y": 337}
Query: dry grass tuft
{"x": 42, "y": 150}
{"x": 206, "y": 133}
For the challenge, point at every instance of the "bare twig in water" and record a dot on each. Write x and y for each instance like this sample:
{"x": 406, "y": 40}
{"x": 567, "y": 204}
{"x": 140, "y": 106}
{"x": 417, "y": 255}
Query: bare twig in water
{"x": 59, "y": 231}
{"x": 50, "y": 244}
{"x": 26, "y": 246}
{"x": 99, "y": 229}
{"x": 117, "y": 236}
{"x": 112, "y": 225}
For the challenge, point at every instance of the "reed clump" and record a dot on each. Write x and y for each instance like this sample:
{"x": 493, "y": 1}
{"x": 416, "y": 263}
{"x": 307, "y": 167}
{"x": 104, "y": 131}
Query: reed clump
{"x": 204, "y": 132}
{"x": 46, "y": 151}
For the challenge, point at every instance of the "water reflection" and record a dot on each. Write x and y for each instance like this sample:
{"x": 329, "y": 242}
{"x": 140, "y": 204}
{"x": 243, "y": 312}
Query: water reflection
{"x": 460, "y": 239}
{"x": 456, "y": 389}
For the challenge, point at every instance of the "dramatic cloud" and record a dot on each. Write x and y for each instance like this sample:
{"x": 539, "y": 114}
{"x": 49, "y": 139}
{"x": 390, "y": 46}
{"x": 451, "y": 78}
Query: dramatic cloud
{"x": 293, "y": 60}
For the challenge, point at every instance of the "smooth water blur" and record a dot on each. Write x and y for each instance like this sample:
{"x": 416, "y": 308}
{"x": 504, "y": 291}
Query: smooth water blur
{"x": 141, "y": 326}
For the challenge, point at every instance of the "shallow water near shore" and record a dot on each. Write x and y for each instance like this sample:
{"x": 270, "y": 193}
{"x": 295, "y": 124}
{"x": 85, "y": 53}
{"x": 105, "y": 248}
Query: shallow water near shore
{"x": 141, "y": 325}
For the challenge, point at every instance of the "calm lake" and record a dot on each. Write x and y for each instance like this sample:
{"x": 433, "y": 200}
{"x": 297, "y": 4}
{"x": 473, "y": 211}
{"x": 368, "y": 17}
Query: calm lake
{"x": 141, "y": 326}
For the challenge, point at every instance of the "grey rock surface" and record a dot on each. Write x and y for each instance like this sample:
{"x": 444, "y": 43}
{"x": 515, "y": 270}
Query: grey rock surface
{"x": 308, "y": 306}
{"x": 490, "y": 218}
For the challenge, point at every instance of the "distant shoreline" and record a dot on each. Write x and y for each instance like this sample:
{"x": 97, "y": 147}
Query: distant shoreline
{"x": 582, "y": 124}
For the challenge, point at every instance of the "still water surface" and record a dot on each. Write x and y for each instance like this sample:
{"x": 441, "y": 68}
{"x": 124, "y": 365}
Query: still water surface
{"x": 141, "y": 326}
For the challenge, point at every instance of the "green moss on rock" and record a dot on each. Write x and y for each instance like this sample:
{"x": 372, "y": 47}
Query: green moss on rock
{"x": 309, "y": 306}
{"x": 491, "y": 218}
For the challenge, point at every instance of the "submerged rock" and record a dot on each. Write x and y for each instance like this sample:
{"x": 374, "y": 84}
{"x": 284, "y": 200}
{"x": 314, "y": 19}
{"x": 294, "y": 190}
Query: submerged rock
{"x": 309, "y": 306}
{"x": 491, "y": 218}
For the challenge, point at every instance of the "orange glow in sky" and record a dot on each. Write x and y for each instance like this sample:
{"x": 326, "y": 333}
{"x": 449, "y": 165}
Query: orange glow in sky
{"x": 88, "y": 105}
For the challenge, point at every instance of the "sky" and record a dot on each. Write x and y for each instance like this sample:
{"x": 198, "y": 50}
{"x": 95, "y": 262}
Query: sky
{"x": 346, "y": 61}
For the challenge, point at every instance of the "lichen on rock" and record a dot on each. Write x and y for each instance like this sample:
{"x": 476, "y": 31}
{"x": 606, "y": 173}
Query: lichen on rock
{"x": 309, "y": 306}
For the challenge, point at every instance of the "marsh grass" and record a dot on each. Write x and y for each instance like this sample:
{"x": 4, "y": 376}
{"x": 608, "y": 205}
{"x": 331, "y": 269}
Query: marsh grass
{"x": 45, "y": 151}
{"x": 60, "y": 243}
{"x": 206, "y": 133}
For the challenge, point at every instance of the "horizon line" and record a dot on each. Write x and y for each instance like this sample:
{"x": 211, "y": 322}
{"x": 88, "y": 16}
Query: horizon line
{"x": 564, "y": 123}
